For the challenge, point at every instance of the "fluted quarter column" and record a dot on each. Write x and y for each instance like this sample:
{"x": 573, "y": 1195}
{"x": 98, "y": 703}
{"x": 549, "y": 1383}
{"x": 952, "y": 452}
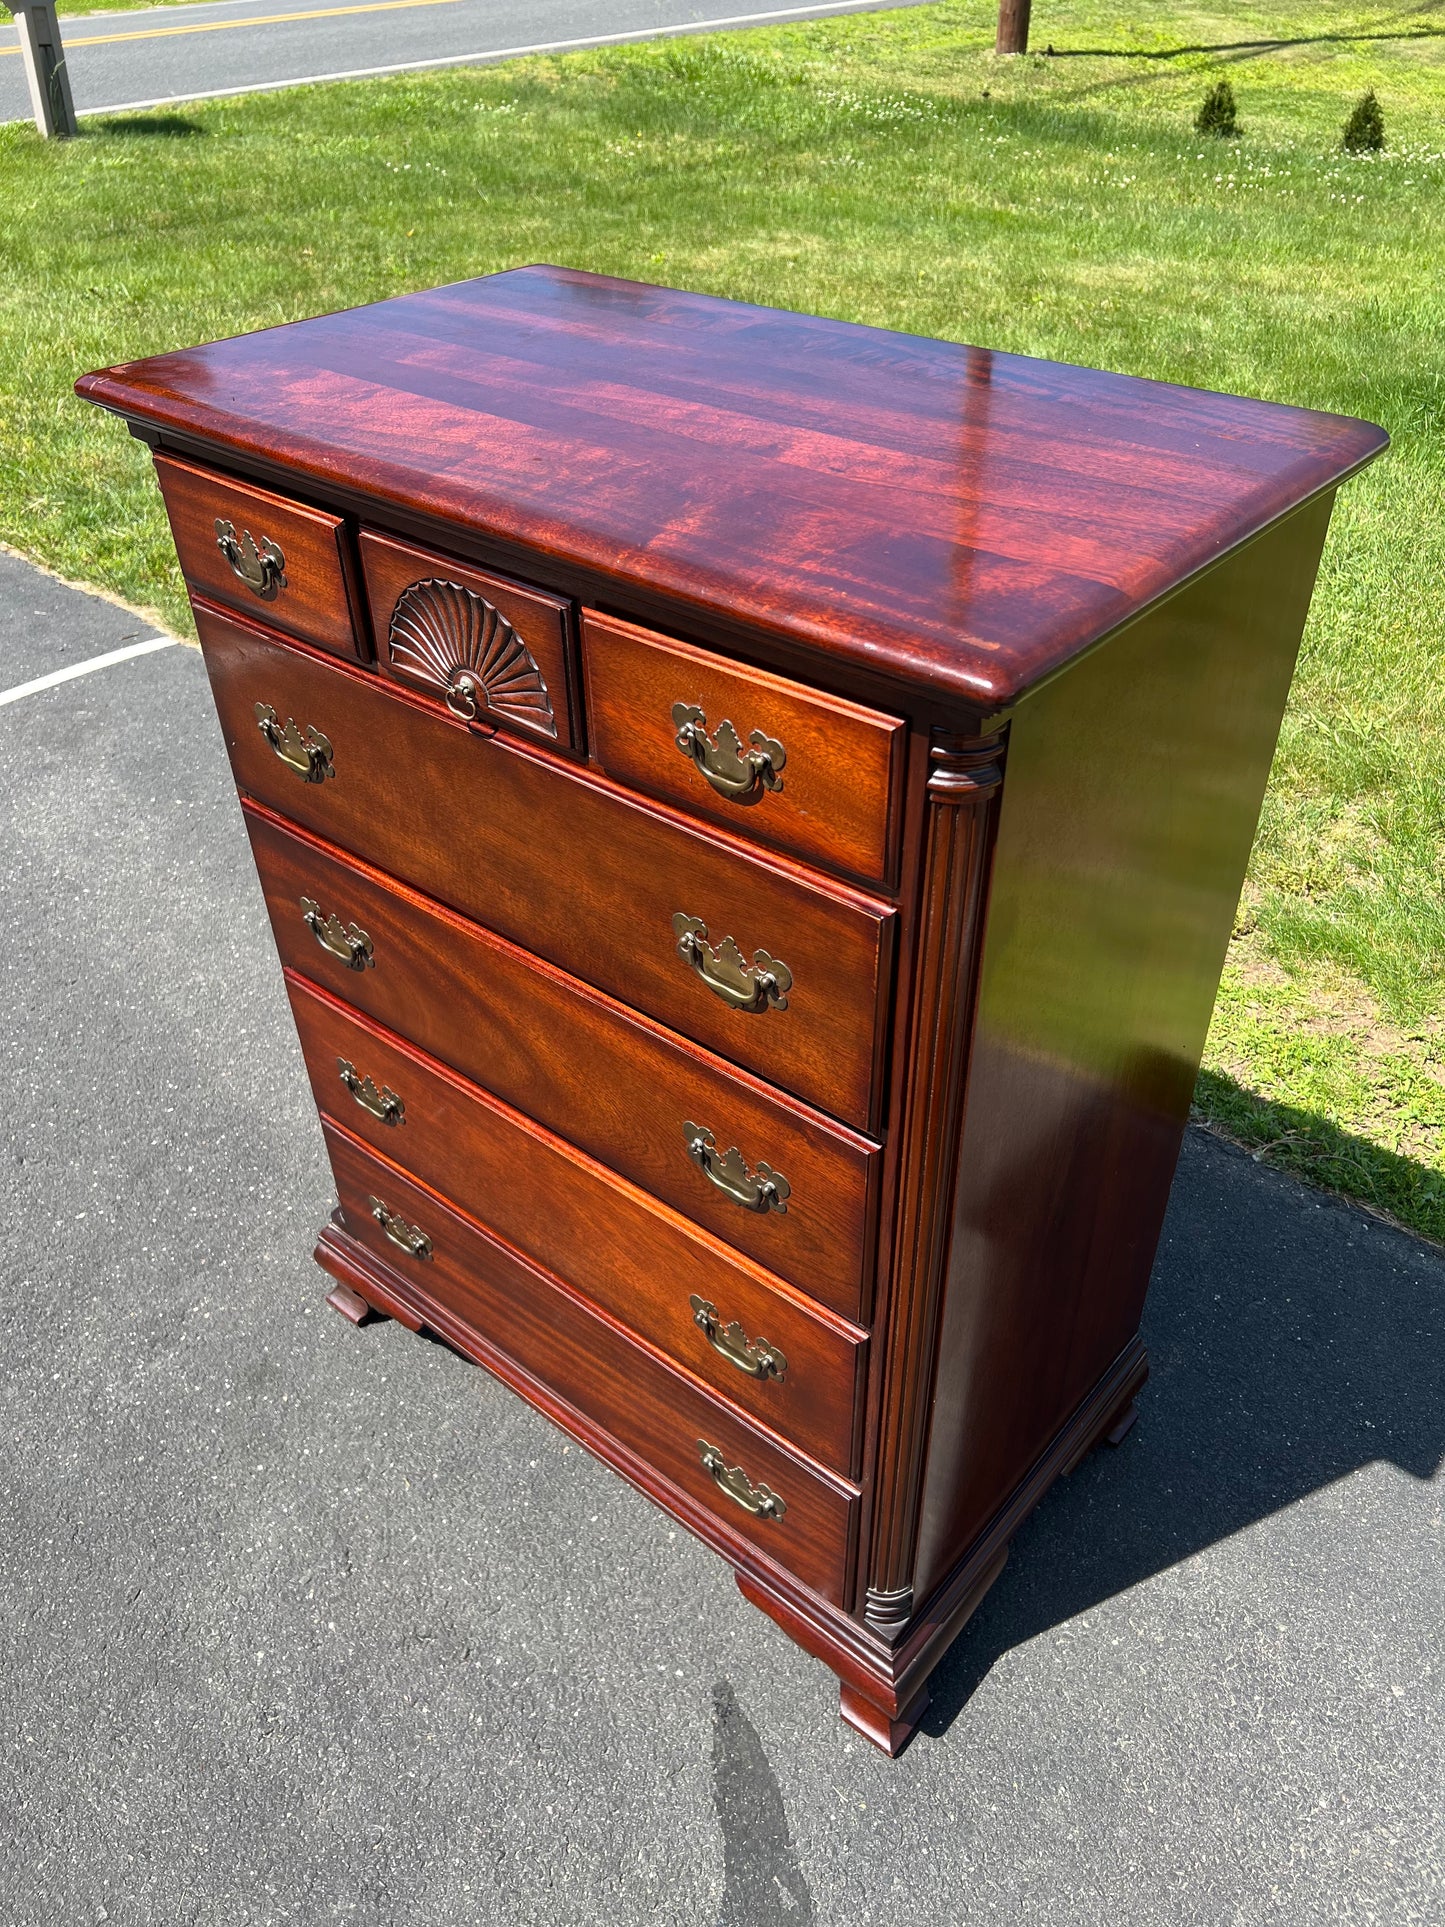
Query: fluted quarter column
{"x": 963, "y": 792}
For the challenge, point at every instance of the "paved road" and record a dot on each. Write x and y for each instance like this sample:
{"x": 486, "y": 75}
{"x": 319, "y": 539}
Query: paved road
{"x": 143, "y": 59}
{"x": 304, "y": 1624}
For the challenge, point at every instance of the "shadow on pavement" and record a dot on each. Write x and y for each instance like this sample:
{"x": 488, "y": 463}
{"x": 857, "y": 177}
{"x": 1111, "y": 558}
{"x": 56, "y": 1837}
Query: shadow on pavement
{"x": 1292, "y": 1342}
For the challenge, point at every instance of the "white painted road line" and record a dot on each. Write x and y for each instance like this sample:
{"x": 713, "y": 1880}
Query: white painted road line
{"x": 211, "y": 53}
{"x": 146, "y": 648}
{"x": 502, "y": 53}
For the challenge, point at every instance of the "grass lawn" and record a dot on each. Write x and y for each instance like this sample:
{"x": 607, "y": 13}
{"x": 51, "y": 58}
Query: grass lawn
{"x": 887, "y": 168}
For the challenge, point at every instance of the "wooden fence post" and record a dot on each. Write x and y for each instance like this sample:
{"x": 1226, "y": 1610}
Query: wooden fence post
{"x": 44, "y": 59}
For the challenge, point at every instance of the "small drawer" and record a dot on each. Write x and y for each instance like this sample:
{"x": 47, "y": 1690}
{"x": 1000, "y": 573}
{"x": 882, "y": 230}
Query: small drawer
{"x": 715, "y": 1315}
{"x": 279, "y": 561}
{"x": 620, "y": 1088}
{"x": 494, "y": 651}
{"x": 762, "y": 962}
{"x": 804, "y": 772}
{"x": 795, "y": 1513}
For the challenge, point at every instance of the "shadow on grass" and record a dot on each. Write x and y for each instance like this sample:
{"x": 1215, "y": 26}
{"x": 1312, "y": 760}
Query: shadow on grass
{"x": 1243, "y": 49}
{"x": 1316, "y": 1149}
{"x": 157, "y": 126}
{"x": 1293, "y": 1341}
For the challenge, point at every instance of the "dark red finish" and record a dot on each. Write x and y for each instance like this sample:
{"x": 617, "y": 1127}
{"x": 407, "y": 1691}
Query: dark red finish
{"x": 571, "y": 867}
{"x": 639, "y": 1261}
{"x": 834, "y": 520}
{"x": 627, "y": 1388}
{"x": 595, "y": 1072}
{"x": 316, "y": 599}
{"x": 542, "y": 624}
{"x": 957, "y": 519}
{"x": 1130, "y": 798}
{"x": 838, "y": 798}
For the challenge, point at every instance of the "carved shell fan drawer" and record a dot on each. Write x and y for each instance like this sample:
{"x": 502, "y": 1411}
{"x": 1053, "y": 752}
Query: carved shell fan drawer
{"x": 495, "y": 652}
{"x": 278, "y": 561}
{"x": 787, "y": 766}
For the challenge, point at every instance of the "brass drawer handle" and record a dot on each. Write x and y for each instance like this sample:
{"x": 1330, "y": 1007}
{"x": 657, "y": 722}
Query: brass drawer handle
{"x": 762, "y": 1190}
{"x": 416, "y": 1244}
{"x": 261, "y": 567}
{"x": 384, "y": 1104}
{"x": 348, "y": 942}
{"x": 757, "y": 1499}
{"x": 761, "y": 985}
{"x": 757, "y": 1357}
{"x": 307, "y": 752}
{"x": 741, "y": 776}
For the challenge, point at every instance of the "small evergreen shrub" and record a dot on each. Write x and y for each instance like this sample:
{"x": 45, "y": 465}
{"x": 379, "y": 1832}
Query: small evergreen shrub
{"x": 1365, "y": 129}
{"x": 1216, "y": 116}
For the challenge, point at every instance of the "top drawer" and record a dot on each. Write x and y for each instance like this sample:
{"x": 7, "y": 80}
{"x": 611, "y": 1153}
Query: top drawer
{"x": 805, "y": 772}
{"x": 280, "y": 561}
{"x": 494, "y": 651}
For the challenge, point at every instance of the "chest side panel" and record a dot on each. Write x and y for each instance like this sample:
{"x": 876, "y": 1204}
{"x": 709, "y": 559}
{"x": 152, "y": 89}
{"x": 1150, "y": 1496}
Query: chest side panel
{"x": 1133, "y": 789}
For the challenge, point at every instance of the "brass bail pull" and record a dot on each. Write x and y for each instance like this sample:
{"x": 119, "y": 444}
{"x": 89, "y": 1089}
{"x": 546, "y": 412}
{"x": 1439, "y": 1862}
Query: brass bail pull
{"x": 756, "y": 1357}
{"x": 761, "y": 1190}
{"x": 742, "y": 776}
{"x": 406, "y": 1237}
{"x": 349, "y": 942}
{"x": 260, "y": 565}
{"x": 307, "y": 751}
{"x": 757, "y": 1499}
{"x": 760, "y": 985}
{"x": 383, "y": 1104}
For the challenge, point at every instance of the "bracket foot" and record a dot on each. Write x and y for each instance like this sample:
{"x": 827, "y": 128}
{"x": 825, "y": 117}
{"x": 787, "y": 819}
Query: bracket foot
{"x": 890, "y": 1733}
{"x": 1123, "y": 1423}
{"x": 352, "y": 1306}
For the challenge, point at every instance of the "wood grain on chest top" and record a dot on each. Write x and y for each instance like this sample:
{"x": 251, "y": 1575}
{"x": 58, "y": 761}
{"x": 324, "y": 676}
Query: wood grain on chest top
{"x": 930, "y": 511}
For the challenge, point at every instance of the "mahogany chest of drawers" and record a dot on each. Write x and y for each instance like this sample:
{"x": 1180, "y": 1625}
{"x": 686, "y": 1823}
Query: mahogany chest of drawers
{"x": 751, "y": 810}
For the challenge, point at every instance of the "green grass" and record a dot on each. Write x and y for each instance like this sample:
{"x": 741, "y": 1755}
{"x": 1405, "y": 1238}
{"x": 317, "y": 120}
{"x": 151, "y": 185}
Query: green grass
{"x": 887, "y": 168}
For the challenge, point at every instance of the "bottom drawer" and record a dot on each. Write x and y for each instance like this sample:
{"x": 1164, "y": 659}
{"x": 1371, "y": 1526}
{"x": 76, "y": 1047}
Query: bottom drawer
{"x": 591, "y": 1363}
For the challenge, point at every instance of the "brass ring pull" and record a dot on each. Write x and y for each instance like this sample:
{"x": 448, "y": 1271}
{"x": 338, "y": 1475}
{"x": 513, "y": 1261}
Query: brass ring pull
{"x": 761, "y": 985}
{"x": 306, "y": 751}
{"x": 261, "y": 567}
{"x": 742, "y": 776}
{"x": 415, "y": 1243}
{"x": 384, "y": 1104}
{"x": 757, "y": 1358}
{"x": 761, "y": 1190}
{"x": 757, "y": 1499}
{"x": 349, "y": 942}
{"x": 460, "y": 696}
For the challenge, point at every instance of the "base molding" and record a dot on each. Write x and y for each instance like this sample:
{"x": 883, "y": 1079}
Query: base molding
{"x": 883, "y": 1681}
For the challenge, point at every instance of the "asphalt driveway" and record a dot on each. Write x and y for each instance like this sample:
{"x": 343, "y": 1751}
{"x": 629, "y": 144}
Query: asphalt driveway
{"x": 307, "y": 1624}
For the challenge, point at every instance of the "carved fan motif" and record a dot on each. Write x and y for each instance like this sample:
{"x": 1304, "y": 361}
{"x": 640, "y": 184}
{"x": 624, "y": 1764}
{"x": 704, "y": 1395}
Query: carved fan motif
{"x": 456, "y": 641}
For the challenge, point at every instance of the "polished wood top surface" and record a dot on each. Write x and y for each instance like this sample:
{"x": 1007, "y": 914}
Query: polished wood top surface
{"x": 944, "y": 515}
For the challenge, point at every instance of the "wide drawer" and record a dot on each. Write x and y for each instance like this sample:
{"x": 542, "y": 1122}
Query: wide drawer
{"x": 711, "y": 1311}
{"x": 493, "y": 650}
{"x": 288, "y": 564}
{"x": 652, "y": 910}
{"x": 585, "y": 1358}
{"x": 797, "y": 769}
{"x": 595, "y": 1073}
